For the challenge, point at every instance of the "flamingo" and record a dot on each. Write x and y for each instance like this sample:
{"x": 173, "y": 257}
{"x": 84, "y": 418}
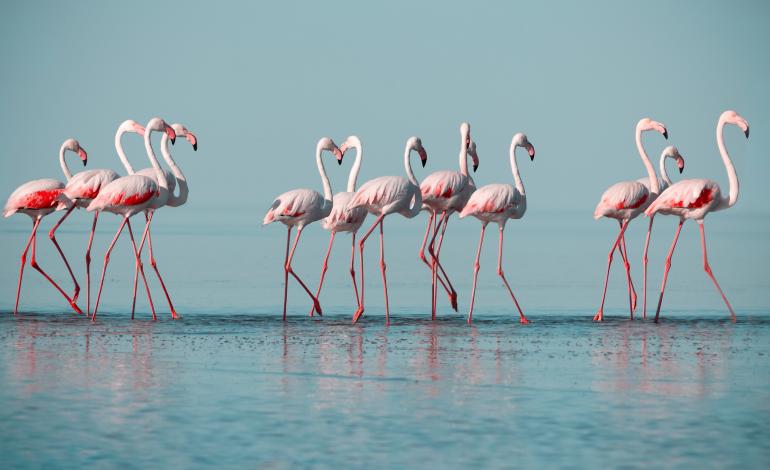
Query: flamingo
{"x": 444, "y": 192}
{"x": 695, "y": 198}
{"x": 342, "y": 219}
{"x": 166, "y": 198}
{"x": 130, "y": 195}
{"x": 387, "y": 195}
{"x": 300, "y": 207}
{"x": 498, "y": 203}
{"x": 663, "y": 183}
{"x": 37, "y": 199}
{"x": 624, "y": 201}
{"x": 82, "y": 188}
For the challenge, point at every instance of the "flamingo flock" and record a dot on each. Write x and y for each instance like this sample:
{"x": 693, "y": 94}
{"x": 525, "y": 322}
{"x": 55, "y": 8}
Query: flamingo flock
{"x": 441, "y": 194}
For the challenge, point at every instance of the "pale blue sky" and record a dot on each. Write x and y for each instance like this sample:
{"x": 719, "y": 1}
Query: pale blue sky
{"x": 261, "y": 82}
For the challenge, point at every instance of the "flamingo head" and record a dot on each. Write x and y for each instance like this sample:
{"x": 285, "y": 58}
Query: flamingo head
{"x": 129, "y": 125}
{"x": 157, "y": 124}
{"x": 326, "y": 143}
{"x": 182, "y": 131}
{"x": 520, "y": 140}
{"x": 731, "y": 117}
{"x": 351, "y": 142}
{"x": 647, "y": 124}
{"x": 415, "y": 143}
{"x": 672, "y": 152}
{"x": 474, "y": 155}
{"x": 74, "y": 146}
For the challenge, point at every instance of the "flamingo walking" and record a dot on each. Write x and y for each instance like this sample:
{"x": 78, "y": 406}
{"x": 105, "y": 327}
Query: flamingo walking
{"x": 300, "y": 207}
{"x": 387, "y": 195}
{"x": 445, "y": 192}
{"x": 342, "y": 219}
{"x": 663, "y": 183}
{"x": 166, "y": 198}
{"x": 37, "y": 199}
{"x": 82, "y": 188}
{"x": 128, "y": 196}
{"x": 498, "y": 203}
{"x": 696, "y": 198}
{"x": 624, "y": 201}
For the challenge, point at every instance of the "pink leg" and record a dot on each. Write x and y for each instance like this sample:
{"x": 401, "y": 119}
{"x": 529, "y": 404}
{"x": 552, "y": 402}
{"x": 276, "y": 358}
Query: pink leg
{"x": 154, "y": 265}
{"x": 353, "y": 269}
{"x": 33, "y": 263}
{"x": 384, "y": 278}
{"x": 286, "y": 272}
{"x": 88, "y": 264}
{"x": 104, "y": 268}
{"x": 707, "y": 268}
{"x": 667, "y": 267}
{"x": 431, "y": 223}
{"x": 476, "y": 267}
{"x": 141, "y": 267}
{"x": 35, "y": 224}
{"x": 52, "y": 236}
{"x": 500, "y": 273}
{"x": 433, "y": 269}
{"x": 644, "y": 261}
{"x": 631, "y": 291}
{"x": 361, "y": 242}
{"x": 323, "y": 270}
{"x": 451, "y": 290}
{"x": 145, "y": 232}
{"x": 600, "y": 314}
{"x": 291, "y": 271}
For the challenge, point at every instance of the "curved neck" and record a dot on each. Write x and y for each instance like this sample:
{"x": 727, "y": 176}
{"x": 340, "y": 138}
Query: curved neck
{"x": 515, "y": 170}
{"x": 328, "y": 196}
{"x": 64, "y": 168}
{"x": 174, "y": 201}
{"x": 353, "y": 177}
{"x": 732, "y": 177}
{"x": 463, "y": 153}
{"x": 663, "y": 172}
{"x": 121, "y": 153}
{"x": 654, "y": 184}
{"x": 159, "y": 175}
{"x": 408, "y": 166}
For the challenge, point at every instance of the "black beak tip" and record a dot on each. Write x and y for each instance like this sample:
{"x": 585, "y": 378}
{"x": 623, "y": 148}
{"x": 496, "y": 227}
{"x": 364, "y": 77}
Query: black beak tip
{"x": 339, "y": 161}
{"x": 195, "y": 146}
{"x": 665, "y": 134}
{"x": 747, "y": 133}
{"x": 681, "y": 170}
{"x": 475, "y": 167}
{"x": 84, "y": 162}
{"x": 532, "y": 158}
{"x": 424, "y": 162}
{"x": 173, "y": 141}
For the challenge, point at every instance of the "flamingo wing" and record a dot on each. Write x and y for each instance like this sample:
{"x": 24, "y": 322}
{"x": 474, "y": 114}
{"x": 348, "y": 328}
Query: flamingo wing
{"x": 686, "y": 194}
{"x": 623, "y": 195}
{"x": 443, "y": 184}
{"x": 36, "y": 194}
{"x": 293, "y": 204}
{"x": 380, "y": 192}
{"x": 87, "y": 184}
{"x": 492, "y": 199}
{"x": 127, "y": 191}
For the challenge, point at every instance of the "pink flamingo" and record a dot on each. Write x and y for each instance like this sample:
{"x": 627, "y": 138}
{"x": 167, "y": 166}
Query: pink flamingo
{"x": 663, "y": 183}
{"x": 300, "y": 207}
{"x": 82, "y": 188}
{"x": 624, "y": 201}
{"x": 166, "y": 198}
{"x": 498, "y": 203}
{"x": 445, "y": 192}
{"x": 37, "y": 199}
{"x": 130, "y": 195}
{"x": 695, "y": 198}
{"x": 342, "y": 219}
{"x": 387, "y": 195}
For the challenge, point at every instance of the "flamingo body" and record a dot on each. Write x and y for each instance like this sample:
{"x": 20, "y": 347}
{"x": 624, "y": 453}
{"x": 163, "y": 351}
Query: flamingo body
{"x": 297, "y": 208}
{"x": 85, "y": 186}
{"x": 163, "y": 195}
{"x": 35, "y": 198}
{"x": 623, "y": 201}
{"x": 446, "y": 190}
{"x": 341, "y": 218}
{"x": 386, "y": 195}
{"x": 126, "y": 196}
{"x": 688, "y": 199}
{"x": 495, "y": 203}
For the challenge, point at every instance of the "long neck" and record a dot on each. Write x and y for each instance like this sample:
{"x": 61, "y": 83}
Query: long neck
{"x": 353, "y": 177}
{"x": 159, "y": 175}
{"x": 463, "y": 154}
{"x": 663, "y": 172}
{"x": 732, "y": 177}
{"x": 515, "y": 170}
{"x": 654, "y": 185}
{"x": 328, "y": 195}
{"x": 174, "y": 201}
{"x": 121, "y": 153}
{"x": 63, "y": 163}
{"x": 408, "y": 166}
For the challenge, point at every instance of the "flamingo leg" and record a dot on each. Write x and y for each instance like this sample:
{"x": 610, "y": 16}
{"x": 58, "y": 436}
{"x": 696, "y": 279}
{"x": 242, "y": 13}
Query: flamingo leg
{"x": 667, "y": 267}
{"x": 136, "y": 265}
{"x": 141, "y": 266}
{"x": 289, "y": 270}
{"x": 710, "y": 273}
{"x": 431, "y": 223}
{"x": 35, "y": 224}
{"x": 453, "y": 293}
{"x": 323, "y": 270}
{"x": 384, "y": 277}
{"x": 353, "y": 269}
{"x": 154, "y": 265}
{"x": 476, "y": 267}
{"x": 631, "y": 291}
{"x": 286, "y": 273}
{"x": 360, "y": 309}
{"x": 433, "y": 262}
{"x": 52, "y": 236}
{"x": 644, "y": 262}
{"x": 104, "y": 268}
{"x": 88, "y": 264}
{"x": 522, "y": 318}
{"x": 600, "y": 314}
{"x": 36, "y": 266}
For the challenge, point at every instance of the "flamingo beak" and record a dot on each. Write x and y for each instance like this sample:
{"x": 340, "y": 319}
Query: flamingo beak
{"x": 744, "y": 127}
{"x": 423, "y": 156}
{"x": 531, "y": 151}
{"x": 475, "y": 158}
{"x": 139, "y": 129}
{"x": 680, "y": 163}
{"x": 665, "y": 133}
{"x": 339, "y": 154}
{"x": 83, "y": 155}
{"x": 171, "y": 134}
{"x": 192, "y": 139}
